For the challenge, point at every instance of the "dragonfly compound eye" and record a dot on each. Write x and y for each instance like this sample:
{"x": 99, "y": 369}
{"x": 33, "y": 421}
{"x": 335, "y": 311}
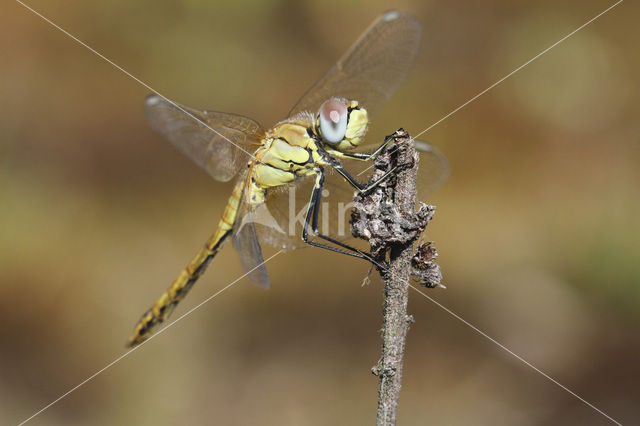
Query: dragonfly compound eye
{"x": 332, "y": 119}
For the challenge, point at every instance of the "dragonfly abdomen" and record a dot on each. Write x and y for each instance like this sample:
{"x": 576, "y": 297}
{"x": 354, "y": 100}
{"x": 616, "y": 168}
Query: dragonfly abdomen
{"x": 163, "y": 307}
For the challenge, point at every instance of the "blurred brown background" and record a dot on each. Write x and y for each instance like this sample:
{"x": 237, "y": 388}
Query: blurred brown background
{"x": 537, "y": 227}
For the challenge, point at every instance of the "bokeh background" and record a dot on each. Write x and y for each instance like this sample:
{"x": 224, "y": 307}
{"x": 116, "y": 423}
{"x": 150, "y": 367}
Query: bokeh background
{"x": 537, "y": 226}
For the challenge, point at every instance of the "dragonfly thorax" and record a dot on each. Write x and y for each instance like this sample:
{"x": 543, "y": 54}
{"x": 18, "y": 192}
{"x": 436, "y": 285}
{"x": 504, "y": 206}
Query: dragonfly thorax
{"x": 294, "y": 148}
{"x": 287, "y": 151}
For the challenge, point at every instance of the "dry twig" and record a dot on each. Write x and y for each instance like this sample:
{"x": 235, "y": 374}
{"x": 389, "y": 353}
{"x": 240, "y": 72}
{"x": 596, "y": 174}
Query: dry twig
{"x": 387, "y": 219}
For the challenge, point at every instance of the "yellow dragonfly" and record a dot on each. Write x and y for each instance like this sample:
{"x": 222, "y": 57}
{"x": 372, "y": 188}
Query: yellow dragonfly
{"x": 324, "y": 127}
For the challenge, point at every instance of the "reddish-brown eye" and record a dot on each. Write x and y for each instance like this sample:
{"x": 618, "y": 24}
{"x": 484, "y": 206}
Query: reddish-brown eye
{"x": 333, "y": 119}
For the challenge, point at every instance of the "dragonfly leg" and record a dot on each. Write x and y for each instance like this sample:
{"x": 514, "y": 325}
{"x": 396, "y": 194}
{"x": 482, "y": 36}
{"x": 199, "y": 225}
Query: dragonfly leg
{"x": 312, "y": 219}
{"x": 363, "y": 187}
{"x": 364, "y": 156}
{"x": 361, "y": 156}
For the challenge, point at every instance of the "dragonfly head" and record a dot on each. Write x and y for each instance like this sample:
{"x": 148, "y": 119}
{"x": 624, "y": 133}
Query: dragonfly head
{"x": 342, "y": 124}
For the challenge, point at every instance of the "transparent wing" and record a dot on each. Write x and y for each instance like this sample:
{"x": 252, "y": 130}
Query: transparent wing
{"x": 245, "y": 240}
{"x": 372, "y": 69}
{"x": 280, "y": 220}
{"x": 287, "y": 207}
{"x": 221, "y": 152}
{"x": 433, "y": 169}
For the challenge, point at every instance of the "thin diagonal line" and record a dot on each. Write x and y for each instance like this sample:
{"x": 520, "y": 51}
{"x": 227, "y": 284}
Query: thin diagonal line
{"x": 127, "y": 73}
{"x": 482, "y": 333}
{"x": 277, "y": 253}
{"x": 519, "y": 68}
{"x": 510, "y": 74}
{"x": 190, "y": 311}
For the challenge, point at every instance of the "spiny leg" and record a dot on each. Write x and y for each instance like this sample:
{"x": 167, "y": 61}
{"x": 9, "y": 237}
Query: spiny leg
{"x": 314, "y": 205}
{"x": 312, "y": 217}
{"x": 366, "y": 187}
{"x": 363, "y": 187}
{"x": 364, "y": 156}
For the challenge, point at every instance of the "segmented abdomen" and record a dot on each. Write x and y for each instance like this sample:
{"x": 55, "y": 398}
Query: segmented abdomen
{"x": 189, "y": 275}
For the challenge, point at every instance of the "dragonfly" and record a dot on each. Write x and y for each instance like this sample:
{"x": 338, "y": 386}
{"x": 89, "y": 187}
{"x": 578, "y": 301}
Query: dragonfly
{"x": 325, "y": 128}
